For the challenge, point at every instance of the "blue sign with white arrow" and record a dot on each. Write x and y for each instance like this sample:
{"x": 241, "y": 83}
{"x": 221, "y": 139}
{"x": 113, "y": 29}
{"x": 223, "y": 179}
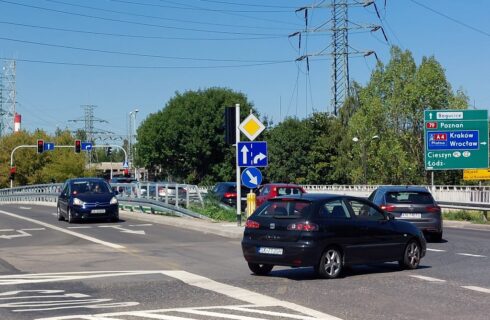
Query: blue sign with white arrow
{"x": 251, "y": 177}
{"x": 252, "y": 154}
{"x": 86, "y": 146}
{"x": 48, "y": 146}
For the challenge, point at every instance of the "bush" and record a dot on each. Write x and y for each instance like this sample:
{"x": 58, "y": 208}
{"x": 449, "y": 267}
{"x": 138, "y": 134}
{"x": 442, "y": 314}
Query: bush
{"x": 216, "y": 211}
{"x": 464, "y": 215}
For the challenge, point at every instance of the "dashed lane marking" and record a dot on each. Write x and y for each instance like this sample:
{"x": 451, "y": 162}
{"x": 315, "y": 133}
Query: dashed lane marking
{"x": 436, "y": 250}
{"x": 471, "y": 255}
{"x": 25, "y": 208}
{"x": 430, "y": 279}
{"x": 141, "y": 225}
{"x": 479, "y": 289}
{"x": 72, "y": 233}
{"x": 33, "y": 229}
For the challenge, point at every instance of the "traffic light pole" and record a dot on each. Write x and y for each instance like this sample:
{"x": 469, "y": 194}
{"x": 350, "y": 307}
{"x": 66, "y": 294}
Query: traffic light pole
{"x": 35, "y": 147}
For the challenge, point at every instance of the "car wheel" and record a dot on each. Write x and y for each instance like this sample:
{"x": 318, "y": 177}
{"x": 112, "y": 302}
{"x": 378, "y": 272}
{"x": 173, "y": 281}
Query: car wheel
{"x": 260, "y": 269}
{"x": 59, "y": 215}
{"x": 411, "y": 256}
{"x": 330, "y": 265}
{"x": 71, "y": 219}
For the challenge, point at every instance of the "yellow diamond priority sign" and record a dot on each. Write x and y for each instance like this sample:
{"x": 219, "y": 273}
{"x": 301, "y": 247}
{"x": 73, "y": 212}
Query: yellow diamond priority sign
{"x": 251, "y": 127}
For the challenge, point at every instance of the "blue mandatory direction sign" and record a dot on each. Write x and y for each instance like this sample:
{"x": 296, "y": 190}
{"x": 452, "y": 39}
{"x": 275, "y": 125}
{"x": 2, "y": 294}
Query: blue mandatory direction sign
{"x": 453, "y": 140}
{"x": 48, "y": 146}
{"x": 251, "y": 177}
{"x": 86, "y": 146}
{"x": 252, "y": 154}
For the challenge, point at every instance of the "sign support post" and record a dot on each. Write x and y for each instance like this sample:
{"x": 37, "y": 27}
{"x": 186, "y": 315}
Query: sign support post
{"x": 238, "y": 173}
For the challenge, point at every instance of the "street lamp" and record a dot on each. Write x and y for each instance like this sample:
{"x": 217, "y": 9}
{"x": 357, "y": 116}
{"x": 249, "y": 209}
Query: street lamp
{"x": 364, "y": 155}
{"x": 132, "y": 138}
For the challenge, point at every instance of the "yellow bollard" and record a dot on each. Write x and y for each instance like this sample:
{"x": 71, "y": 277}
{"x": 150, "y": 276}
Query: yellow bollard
{"x": 250, "y": 203}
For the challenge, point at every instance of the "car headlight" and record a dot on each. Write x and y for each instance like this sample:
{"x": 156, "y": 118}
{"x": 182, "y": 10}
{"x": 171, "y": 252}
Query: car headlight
{"x": 78, "y": 202}
{"x": 113, "y": 200}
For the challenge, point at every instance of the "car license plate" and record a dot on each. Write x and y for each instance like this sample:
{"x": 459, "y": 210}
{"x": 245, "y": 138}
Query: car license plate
{"x": 411, "y": 215}
{"x": 98, "y": 211}
{"x": 275, "y": 251}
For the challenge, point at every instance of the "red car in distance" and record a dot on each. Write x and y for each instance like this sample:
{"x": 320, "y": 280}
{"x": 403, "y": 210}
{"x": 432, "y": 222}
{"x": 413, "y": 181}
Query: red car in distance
{"x": 272, "y": 190}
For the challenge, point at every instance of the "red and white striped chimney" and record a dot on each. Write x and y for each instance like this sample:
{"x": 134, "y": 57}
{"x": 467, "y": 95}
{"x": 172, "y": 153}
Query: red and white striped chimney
{"x": 17, "y": 122}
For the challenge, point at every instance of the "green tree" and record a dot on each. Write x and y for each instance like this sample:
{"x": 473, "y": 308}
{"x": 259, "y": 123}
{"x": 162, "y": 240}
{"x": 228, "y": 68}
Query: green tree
{"x": 185, "y": 140}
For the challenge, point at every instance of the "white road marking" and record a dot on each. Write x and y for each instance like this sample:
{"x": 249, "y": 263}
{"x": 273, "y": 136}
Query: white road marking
{"x": 436, "y": 250}
{"x": 75, "y": 234}
{"x": 242, "y": 294}
{"x": 471, "y": 255}
{"x": 20, "y": 234}
{"x": 479, "y": 289}
{"x": 6, "y": 230}
{"x": 33, "y": 229}
{"x": 142, "y": 232}
{"x": 141, "y": 225}
{"x": 25, "y": 208}
{"x": 428, "y": 278}
{"x": 79, "y": 227}
{"x": 256, "y": 299}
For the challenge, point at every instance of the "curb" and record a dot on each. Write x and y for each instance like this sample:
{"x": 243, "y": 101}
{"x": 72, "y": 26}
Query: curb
{"x": 224, "y": 229}
{"x": 465, "y": 225}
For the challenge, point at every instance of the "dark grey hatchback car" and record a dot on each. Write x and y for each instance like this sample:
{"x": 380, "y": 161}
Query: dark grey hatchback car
{"x": 87, "y": 198}
{"x": 327, "y": 232}
{"x": 413, "y": 204}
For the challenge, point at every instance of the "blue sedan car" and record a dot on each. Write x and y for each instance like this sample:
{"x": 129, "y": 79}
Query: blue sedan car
{"x": 87, "y": 198}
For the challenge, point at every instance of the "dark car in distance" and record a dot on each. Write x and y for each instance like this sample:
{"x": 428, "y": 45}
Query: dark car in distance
{"x": 327, "y": 232}
{"x": 413, "y": 204}
{"x": 226, "y": 192}
{"x": 87, "y": 198}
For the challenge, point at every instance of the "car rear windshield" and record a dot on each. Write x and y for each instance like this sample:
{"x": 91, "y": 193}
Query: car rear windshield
{"x": 284, "y": 191}
{"x": 285, "y": 208}
{"x": 412, "y": 197}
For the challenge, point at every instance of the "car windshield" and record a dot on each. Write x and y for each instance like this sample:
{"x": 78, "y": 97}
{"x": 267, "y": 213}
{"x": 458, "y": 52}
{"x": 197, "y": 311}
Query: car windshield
{"x": 285, "y": 208}
{"x": 412, "y": 197}
{"x": 283, "y": 191}
{"x": 89, "y": 187}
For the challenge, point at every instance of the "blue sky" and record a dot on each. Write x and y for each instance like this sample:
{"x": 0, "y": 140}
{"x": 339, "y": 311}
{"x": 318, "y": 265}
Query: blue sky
{"x": 165, "y": 46}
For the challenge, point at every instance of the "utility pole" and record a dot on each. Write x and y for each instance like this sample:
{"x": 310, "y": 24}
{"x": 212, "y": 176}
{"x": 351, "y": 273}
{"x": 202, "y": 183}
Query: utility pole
{"x": 340, "y": 47}
{"x": 8, "y": 95}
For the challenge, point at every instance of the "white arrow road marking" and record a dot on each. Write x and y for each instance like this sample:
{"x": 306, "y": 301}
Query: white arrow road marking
{"x": 259, "y": 157}
{"x": 20, "y": 235}
{"x": 142, "y": 232}
{"x": 75, "y": 234}
{"x": 253, "y": 179}
{"x": 34, "y": 229}
{"x": 244, "y": 152}
{"x": 6, "y": 230}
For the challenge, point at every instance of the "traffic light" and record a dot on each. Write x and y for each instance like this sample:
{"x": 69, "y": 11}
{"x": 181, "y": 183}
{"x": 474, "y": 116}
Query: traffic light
{"x": 13, "y": 170}
{"x": 40, "y": 146}
{"x": 78, "y": 146}
{"x": 230, "y": 125}
{"x": 109, "y": 151}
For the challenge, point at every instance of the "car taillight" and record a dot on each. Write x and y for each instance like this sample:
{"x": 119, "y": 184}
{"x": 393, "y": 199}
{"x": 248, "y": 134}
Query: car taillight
{"x": 303, "y": 226}
{"x": 388, "y": 208}
{"x": 433, "y": 209}
{"x": 229, "y": 195}
{"x": 250, "y": 224}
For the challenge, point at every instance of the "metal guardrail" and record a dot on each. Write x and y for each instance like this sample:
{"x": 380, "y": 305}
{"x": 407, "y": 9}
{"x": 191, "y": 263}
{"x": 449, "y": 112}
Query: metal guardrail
{"x": 129, "y": 195}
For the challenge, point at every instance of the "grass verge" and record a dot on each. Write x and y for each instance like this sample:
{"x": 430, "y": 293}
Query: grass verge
{"x": 217, "y": 211}
{"x": 464, "y": 215}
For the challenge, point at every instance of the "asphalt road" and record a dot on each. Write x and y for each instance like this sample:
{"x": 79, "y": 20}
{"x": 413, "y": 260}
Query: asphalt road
{"x": 138, "y": 269}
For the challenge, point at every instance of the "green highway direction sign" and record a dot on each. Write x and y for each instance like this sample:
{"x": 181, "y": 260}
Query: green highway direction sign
{"x": 456, "y": 139}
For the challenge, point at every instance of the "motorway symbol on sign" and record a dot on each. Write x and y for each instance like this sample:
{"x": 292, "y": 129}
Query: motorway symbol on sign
{"x": 456, "y": 139}
{"x": 48, "y": 146}
{"x": 251, "y": 127}
{"x": 252, "y": 154}
{"x": 251, "y": 177}
{"x": 86, "y": 146}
